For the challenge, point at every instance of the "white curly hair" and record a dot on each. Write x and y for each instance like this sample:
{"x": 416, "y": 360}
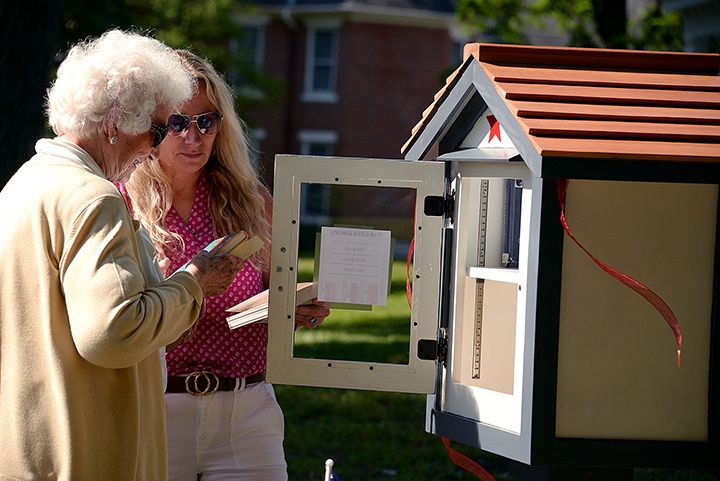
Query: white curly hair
{"x": 117, "y": 79}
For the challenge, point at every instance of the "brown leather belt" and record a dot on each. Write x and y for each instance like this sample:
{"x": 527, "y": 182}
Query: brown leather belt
{"x": 202, "y": 383}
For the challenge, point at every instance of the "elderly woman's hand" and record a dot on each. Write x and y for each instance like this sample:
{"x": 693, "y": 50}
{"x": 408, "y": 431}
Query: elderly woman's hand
{"x": 164, "y": 263}
{"x": 214, "y": 273}
{"x": 311, "y": 315}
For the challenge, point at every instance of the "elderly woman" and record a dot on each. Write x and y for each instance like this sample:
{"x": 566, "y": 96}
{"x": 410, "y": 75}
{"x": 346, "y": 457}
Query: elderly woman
{"x": 82, "y": 314}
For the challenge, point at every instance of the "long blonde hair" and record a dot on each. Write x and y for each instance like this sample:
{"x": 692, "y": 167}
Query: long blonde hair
{"x": 237, "y": 197}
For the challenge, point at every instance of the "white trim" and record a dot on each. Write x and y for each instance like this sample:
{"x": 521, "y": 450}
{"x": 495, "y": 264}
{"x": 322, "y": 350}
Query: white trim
{"x": 314, "y": 23}
{"x": 318, "y": 136}
{"x": 326, "y": 138}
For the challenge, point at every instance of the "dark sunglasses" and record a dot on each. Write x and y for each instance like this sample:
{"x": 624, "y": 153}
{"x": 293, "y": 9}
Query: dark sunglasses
{"x": 208, "y": 123}
{"x": 159, "y": 133}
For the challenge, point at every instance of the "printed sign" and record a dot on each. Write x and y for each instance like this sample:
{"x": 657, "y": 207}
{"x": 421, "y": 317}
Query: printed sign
{"x": 354, "y": 265}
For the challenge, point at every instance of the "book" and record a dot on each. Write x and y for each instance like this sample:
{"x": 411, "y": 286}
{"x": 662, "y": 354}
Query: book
{"x": 237, "y": 244}
{"x": 255, "y": 308}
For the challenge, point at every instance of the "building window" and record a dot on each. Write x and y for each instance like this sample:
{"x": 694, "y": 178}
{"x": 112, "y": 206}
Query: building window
{"x": 321, "y": 63}
{"x": 314, "y": 198}
{"x": 317, "y": 148}
{"x": 317, "y": 142}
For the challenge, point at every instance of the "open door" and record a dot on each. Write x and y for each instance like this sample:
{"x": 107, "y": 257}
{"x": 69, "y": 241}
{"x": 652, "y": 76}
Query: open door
{"x": 348, "y": 225}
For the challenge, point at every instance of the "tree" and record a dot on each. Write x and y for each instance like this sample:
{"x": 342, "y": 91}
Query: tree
{"x": 28, "y": 41}
{"x": 588, "y": 23}
{"x": 204, "y": 26}
{"x": 33, "y": 41}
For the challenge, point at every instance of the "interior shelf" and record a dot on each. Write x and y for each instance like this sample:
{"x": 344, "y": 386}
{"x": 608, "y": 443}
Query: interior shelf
{"x": 501, "y": 274}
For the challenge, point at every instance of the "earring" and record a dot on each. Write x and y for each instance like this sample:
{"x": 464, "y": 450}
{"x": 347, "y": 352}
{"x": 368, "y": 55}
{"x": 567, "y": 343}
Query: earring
{"x": 113, "y": 139}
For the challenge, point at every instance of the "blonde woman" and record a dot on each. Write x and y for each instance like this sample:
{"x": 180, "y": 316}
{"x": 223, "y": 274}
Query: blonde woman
{"x": 223, "y": 420}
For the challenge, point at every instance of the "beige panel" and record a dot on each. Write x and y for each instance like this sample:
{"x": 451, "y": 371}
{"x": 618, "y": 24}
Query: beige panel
{"x": 486, "y": 352}
{"x": 618, "y": 375}
{"x": 497, "y": 345}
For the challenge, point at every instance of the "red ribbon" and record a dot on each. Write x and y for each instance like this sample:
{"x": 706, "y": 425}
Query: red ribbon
{"x": 466, "y": 463}
{"x": 411, "y": 251}
{"x": 644, "y": 291}
{"x": 408, "y": 285}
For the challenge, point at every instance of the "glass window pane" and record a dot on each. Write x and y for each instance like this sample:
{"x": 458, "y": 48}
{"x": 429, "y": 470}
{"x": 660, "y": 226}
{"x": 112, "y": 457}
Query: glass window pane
{"x": 324, "y": 40}
{"x": 319, "y": 149}
{"x": 369, "y": 333}
{"x": 321, "y": 78}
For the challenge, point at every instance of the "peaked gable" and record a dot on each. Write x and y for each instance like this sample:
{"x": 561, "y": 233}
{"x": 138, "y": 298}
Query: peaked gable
{"x": 559, "y": 105}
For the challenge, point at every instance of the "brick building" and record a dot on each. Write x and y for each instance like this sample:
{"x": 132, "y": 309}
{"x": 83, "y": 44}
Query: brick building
{"x": 356, "y": 75}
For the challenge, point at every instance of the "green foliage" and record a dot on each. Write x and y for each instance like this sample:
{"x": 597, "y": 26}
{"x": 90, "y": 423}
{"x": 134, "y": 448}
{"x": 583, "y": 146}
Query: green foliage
{"x": 360, "y": 335}
{"x": 206, "y": 27}
{"x": 587, "y": 23}
{"x": 89, "y": 18}
{"x": 659, "y": 31}
{"x": 576, "y": 17}
{"x": 203, "y": 25}
{"x": 501, "y": 18}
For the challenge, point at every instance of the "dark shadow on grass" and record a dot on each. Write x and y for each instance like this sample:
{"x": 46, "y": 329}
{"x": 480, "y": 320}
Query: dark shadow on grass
{"x": 388, "y": 326}
{"x": 393, "y": 352}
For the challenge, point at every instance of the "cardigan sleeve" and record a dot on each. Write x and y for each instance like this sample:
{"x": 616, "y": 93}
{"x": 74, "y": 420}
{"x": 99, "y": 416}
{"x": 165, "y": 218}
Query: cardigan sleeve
{"x": 116, "y": 319}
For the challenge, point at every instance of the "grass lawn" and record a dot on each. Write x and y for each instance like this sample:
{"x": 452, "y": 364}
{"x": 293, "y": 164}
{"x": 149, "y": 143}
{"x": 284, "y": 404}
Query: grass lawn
{"x": 375, "y": 436}
{"x": 369, "y": 435}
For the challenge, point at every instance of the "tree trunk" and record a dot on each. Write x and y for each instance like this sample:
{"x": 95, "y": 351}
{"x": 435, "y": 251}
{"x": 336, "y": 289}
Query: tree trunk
{"x": 611, "y": 22}
{"x": 28, "y": 41}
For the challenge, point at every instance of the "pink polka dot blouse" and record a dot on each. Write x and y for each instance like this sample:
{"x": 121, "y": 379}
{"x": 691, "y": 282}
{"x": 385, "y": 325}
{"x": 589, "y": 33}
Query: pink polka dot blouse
{"x": 214, "y": 347}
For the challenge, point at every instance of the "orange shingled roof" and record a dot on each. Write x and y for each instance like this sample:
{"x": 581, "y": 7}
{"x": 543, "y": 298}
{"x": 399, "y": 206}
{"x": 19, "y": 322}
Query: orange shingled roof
{"x": 600, "y": 103}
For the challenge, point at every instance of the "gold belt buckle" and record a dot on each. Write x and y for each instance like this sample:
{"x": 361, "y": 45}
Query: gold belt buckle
{"x": 208, "y": 376}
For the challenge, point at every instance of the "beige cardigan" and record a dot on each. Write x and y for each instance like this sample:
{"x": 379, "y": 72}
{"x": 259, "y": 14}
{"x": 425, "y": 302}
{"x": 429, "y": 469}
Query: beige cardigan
{"x": 81, "y": 390}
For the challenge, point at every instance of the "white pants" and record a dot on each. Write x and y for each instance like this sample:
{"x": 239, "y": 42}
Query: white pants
{"x": 231, "y": 435}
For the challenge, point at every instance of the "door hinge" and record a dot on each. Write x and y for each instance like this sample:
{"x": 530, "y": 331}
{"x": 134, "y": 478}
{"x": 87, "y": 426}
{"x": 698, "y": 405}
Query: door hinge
{"x": 436, "y": 205}
{"x": 431, "y": 349}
